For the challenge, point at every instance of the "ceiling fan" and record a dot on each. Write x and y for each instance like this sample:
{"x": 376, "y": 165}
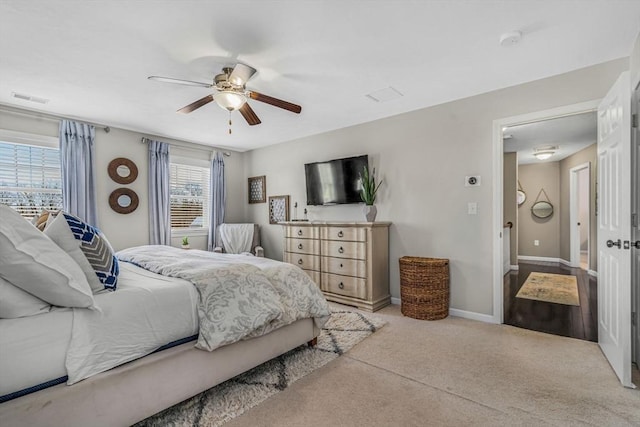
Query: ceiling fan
{"x": 231, "y": 94}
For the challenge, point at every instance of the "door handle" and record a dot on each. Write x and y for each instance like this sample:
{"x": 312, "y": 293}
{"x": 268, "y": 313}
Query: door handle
{"x": 611, "y": 243}
{"x": 636, "y": 244}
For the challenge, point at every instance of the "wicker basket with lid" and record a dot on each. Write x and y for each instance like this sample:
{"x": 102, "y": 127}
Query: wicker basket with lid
{"x": 424, "y": 287}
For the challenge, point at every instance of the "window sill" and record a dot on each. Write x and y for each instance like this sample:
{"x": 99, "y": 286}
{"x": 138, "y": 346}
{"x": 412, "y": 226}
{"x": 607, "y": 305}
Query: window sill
{"x": 187, "y": 232}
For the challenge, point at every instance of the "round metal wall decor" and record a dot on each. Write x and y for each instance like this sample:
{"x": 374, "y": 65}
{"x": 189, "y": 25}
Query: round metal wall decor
{"x": 123, "y": 200}
{"x": 122, "y": 170}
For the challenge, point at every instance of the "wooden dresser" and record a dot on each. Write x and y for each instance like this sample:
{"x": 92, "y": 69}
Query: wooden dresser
{"x": 349, "y": 261}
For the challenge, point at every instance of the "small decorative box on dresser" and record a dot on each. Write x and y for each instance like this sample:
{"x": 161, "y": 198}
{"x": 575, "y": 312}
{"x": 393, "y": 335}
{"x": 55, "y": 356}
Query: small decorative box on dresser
{"x": 348, "y": 261}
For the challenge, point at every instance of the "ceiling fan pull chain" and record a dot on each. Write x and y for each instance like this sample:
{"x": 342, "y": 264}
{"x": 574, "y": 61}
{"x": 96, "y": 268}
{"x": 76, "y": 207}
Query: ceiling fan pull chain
{"x": 229, "y": 122}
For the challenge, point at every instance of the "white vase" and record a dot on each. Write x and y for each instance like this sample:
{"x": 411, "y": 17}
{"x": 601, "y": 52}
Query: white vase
{"x": 370, "y": 212}
{"x": 185, "y": 246}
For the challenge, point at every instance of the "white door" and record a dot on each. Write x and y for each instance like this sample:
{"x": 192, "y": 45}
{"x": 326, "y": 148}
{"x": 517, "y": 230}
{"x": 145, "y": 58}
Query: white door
{"x": 635, "y": 227}
{"x": 614, "y": 228}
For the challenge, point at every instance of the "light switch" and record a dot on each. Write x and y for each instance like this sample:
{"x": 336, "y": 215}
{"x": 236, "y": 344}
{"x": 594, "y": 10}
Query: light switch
{"x": 472, "y": 208}
{"x": 536, "y": 243}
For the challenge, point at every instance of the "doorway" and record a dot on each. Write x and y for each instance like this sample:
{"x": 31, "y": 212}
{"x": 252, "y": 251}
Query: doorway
{"x": 579, "y": 216}
{"x": 549, "y": 161}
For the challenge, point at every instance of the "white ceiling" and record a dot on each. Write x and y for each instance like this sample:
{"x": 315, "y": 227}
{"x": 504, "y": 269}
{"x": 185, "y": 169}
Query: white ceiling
{"x": 92, "y": 58}
{"x": 569, "y": 134}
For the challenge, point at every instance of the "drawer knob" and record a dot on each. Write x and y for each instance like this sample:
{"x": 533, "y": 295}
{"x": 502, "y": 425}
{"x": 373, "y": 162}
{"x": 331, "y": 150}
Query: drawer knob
{"x": 340, "y": 265}
{"x": 341, "y": 285}
{"x": 300, "y": 261}
{"x": 341, "y": 250}
{"x": 299, "y": 232}
{"x": 299, "y": 245}
{"x": 340, "y": 233}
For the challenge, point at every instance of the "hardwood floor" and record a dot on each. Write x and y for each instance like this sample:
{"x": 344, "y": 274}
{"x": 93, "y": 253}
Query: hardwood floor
{"x": 558, "y": 319}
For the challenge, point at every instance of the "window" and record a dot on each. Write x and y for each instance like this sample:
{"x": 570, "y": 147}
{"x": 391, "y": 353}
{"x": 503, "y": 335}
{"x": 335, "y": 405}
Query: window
{"x": 189, "y": 189}
{"x": 30, "y": 178}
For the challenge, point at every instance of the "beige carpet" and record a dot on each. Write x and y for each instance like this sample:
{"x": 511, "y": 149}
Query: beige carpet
{"x": 455, "y": 372}
{"x": 232, "y": 398}
{"x": 556, "y": 288}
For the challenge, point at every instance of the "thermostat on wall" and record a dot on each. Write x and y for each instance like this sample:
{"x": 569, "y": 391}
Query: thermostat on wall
{"x": 472, "y": 181}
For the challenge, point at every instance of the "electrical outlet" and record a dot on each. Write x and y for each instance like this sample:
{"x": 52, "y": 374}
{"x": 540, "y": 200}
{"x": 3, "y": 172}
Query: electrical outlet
{"x": 536, "y": 243}
{"x": 472, "y": 208}
{"x": 472, "y": 181}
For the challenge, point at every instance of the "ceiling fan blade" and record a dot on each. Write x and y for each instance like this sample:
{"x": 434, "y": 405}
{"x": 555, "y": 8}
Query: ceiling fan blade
{"x": 179, "y": 81}
{"x": 275, "y": 102}
{"x": 241, "y": 74}
{"x": 249, "y": 115}
{"x": 195, "y": 105}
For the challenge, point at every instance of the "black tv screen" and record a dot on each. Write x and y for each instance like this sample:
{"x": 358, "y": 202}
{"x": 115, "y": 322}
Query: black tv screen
{"x": 336, "y": 181}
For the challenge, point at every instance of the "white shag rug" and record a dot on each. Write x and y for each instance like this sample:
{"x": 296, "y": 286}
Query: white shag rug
{"x": 232, "y": 398}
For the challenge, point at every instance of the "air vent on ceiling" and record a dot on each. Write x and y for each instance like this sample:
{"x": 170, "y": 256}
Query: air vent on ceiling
{"x": 30, "y": 98}
{"x": 383, "y": 95}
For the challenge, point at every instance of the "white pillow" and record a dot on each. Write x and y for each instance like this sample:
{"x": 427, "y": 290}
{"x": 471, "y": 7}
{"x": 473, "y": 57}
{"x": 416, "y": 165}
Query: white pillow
{"x": 32, "y": 262}
{"x": 14, "y": 302}
{"x": 58, "y": 230}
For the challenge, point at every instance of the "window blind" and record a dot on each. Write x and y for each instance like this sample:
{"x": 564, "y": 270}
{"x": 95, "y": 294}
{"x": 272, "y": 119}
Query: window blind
{"x": 189, "y": 196}
{"x": 30, "y": 178}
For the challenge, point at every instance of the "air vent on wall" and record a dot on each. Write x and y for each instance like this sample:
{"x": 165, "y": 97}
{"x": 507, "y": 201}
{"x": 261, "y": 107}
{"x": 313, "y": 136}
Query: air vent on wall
{"x": 30, "y": 98}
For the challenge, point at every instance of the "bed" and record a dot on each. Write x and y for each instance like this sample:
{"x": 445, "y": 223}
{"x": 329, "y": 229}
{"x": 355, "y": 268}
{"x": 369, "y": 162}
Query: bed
{"x": 156, "y": 340}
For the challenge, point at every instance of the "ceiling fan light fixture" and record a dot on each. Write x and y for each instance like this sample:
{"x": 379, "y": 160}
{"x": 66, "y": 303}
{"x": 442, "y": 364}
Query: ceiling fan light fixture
{"x": 230, "y": 100}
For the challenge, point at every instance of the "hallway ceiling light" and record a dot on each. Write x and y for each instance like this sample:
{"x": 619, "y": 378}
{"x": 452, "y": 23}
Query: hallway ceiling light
{"x": 543, "y": 153}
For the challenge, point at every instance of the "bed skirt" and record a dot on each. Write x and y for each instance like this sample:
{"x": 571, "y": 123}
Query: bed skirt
{"x": 136, "y": 390}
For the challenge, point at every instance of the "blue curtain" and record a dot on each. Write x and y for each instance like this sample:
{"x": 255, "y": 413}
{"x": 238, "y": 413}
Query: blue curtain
{"x": 218, "y": 197}
{"x": 159, "y": 196}
{"x": 76, "y": 161}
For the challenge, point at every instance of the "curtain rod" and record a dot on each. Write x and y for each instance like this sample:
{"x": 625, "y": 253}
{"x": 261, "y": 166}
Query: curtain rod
{"x": 48, "y": 116}
{"x": 145, "y": 140}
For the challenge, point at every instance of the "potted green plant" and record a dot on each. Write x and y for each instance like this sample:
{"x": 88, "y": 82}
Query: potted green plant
{"x": 368, "y": 193}
{"x": 185, "y": 242}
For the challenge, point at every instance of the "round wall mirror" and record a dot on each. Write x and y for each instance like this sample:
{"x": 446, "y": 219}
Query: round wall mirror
{"x": 123, "y": 200}
{"x": 123, "y": 170}
{"x": 542, "y": 209}
{"x": 521, "y": 197}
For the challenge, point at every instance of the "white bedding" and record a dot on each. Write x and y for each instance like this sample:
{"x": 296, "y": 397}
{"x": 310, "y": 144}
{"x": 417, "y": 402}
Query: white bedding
{"x": 32, "y": 349}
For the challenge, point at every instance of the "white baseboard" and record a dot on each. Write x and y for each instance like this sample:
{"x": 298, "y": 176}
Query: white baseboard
{"x": 592, "y": 273}
{"x": 546, "y": 259}
{"x": 514, "y": 267}
{"x": 460, "y": 313}
{"x": 472, "y": 315}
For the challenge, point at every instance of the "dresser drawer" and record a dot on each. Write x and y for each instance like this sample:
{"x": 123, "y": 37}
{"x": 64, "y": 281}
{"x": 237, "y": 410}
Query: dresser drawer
{"x": 344, "y": 266}
{"x": 304, "y": 261}
{"x": 302, "y": 246}
{"x": 344, "y": 233}
{"x": 334, "y": 248}
{"x": 344, "y": 285}
{"x": 302, "y": 232}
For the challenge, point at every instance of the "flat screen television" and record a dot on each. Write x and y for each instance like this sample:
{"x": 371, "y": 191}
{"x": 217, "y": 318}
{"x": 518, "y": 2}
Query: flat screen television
{"x": 335, "y": 181}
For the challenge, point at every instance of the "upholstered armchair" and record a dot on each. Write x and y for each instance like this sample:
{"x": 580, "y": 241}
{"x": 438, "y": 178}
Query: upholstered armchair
{"x": 238, "y": 238}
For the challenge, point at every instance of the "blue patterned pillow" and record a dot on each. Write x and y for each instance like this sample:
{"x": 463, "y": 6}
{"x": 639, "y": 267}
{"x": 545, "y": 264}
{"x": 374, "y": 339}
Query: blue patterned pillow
{"x": 97, "y": 249}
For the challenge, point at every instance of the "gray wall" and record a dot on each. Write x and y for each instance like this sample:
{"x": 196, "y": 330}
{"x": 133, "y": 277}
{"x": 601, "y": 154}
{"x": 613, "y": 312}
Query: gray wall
{"x": 510, "y": 202}
{"x": 534, "y": 177}
{"x": 124, "y": 231}
{"x": 587, "y": 155}
{"x": 423, "y": 157}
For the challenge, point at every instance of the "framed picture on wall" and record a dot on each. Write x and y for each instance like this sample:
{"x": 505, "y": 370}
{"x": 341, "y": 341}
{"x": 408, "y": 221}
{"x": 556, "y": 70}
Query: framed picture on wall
{"x": 278, "y": 209}
{"x": 258, "y": 189}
